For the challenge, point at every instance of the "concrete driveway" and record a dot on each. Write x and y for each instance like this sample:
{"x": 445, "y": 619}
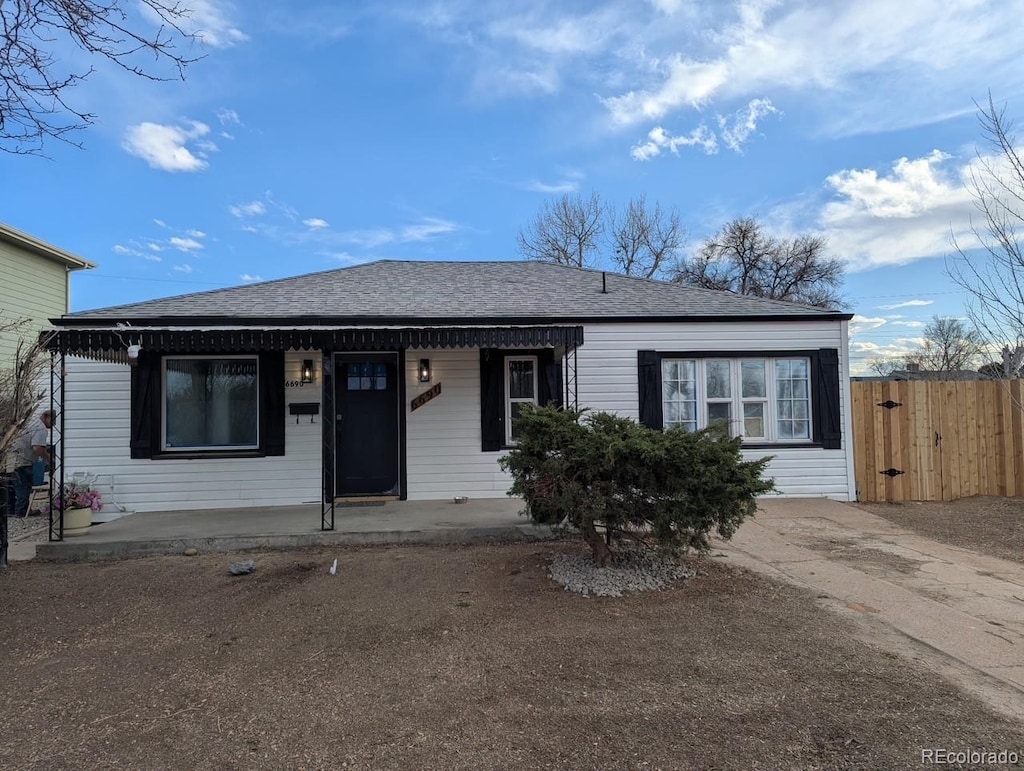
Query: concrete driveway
{"x": 957, "y": 611}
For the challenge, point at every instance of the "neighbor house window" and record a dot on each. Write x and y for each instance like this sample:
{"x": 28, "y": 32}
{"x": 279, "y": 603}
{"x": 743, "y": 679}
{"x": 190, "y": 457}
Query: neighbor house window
{"x": 210, "y": 403}
{"x": 765, "y": 399}
{"x": 520, "y": 389}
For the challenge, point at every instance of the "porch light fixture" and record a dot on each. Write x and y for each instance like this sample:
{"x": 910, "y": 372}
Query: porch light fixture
{"x": 307, "y": 371}
{"x": 133, "y": 354}
{"x": 424, "y": 370}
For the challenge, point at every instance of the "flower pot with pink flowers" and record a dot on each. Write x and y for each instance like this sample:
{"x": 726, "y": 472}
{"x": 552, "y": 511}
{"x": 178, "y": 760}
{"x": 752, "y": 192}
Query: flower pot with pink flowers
{"x": 77, "y": 501}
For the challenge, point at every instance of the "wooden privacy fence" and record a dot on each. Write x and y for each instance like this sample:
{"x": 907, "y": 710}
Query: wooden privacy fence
{"x": 938, "y": 440}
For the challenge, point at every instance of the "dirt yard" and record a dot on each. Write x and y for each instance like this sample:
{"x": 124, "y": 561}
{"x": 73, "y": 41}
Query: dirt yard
{"x": 993, "y": 526}
{"x": 468, "y": 657}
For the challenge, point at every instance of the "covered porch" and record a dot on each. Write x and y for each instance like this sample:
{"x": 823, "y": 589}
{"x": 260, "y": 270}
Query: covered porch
{"x": 293, "y": 527}
{"x": 142, "y": 347}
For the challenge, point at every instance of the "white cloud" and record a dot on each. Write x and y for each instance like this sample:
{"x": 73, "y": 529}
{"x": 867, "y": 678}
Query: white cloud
{"x": 251, "y": 209}
{"x": 209, "y": 20}
{"x": 152, "y": 258}
{"x": 912, "y": 324}
{"x": 658, "y": 139}
{"x": 852, "y": 67}
{"x": 185, "y": 244}
{"x": 195, "y": 233}
{"x": 119, "y": 249}
{"x": 185, "y": 268}
{"x": 737, "y": 129}
{"x": 371, "y": 238}
{"x": 315, "y": 223}
{"x": 228, "y": 117}
{"x": 250, "y": 229}
{"x": 250, "y": 279}
{"x": 154, "y": 247}
{"x": 164, "y": 147}
{"x": 206, "y": 146}
{"x": 428, "y": 228}
{"x": 907, "y": 304}
{"x": 899, "y": 216}
{"x": 860, "y": 324}
{"x": 562, "y": 186}
{"x": 160, "y": 223}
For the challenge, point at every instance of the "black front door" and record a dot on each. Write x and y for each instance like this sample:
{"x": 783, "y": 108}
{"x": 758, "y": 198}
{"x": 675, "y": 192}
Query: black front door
{"x": 366, "y": 404}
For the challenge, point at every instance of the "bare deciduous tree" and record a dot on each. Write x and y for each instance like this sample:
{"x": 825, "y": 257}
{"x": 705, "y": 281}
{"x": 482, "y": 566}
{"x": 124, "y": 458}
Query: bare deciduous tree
{"x": 886, "y": 367}
{"x": 20, "y": 376}
{"x": 992, "y": 272}
{"x": 743, "y": 259}
{"x": 35, "y": 77}
{"x": 643, "y": 239}
{"x": 586, "y": 232}
{"x": 950, "y": 346}
{"x": 566, "y": 231}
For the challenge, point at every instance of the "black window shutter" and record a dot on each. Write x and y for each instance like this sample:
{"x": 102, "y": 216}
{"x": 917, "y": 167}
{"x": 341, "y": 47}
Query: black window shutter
{"x": 272, "y": 402}
{"x": 145, "y": 406}
{"x": 649, "y": 382}
{"x": 492, "y": 410}
{"x": 829, "y": 414}
{"x": 549, "y": 381}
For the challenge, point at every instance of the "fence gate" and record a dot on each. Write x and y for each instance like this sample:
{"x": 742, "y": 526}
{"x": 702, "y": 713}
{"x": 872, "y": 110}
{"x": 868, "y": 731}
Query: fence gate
{"x": 937, "y": 440}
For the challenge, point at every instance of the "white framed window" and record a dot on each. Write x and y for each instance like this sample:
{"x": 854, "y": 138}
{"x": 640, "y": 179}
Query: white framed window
{"x": 210, "y": 403}
{"x": 520, "y": 389}
{"x": 679, "y": 393}
{"x": 759, "y": 399}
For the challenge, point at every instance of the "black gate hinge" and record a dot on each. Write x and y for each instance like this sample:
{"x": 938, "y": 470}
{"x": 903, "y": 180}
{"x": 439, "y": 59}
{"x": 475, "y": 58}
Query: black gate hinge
{"x": 892, "y": 472}
{"x": 890, "y": 404}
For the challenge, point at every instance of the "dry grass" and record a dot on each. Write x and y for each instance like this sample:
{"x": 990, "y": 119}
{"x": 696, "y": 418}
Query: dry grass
{"x": 468, "y": 657}
{"x": 993, "y": 526}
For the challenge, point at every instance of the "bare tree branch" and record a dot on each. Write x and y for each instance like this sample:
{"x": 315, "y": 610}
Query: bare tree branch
{"x": 644, "y": 240}
{"x": 742, "y": 259}
{"x": 20, "y": 379}
{"x": 34, "y": 80}
{"x": 991, "y": 272}
{"x": 586, "y": 232}
{"x": 566, "y": 231}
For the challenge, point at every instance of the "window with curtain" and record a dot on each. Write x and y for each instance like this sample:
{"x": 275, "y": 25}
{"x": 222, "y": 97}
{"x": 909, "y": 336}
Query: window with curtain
{"x": 211, "y": 403}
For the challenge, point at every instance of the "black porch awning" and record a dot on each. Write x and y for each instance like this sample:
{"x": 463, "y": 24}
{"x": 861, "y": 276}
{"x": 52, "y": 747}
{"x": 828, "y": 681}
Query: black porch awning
{"x": 111, "y": 344}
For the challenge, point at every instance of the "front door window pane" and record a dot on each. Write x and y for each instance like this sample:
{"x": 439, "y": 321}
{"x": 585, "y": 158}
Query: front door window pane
{"x": 210, "y": 403}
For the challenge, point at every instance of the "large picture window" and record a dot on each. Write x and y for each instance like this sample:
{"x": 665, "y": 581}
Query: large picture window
{"x": 210, "y": 403}
{"x": 760, "y": 399}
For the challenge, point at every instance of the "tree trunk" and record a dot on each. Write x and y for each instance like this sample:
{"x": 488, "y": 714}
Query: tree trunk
{"x": 602, "y": 554}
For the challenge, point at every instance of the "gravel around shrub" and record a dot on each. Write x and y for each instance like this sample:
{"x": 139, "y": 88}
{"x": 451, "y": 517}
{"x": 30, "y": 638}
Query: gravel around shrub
{"x": 635, "y": 570}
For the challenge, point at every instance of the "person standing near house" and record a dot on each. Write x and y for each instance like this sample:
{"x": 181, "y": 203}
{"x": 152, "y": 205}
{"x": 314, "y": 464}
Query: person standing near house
{"x": 33, "y": 443}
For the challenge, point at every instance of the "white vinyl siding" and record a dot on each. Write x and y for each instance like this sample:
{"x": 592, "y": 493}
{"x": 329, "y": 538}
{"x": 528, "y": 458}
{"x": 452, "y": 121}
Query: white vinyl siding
{"x": 608, "y": 381}
{"x": 97, "y": 429}
{"x": 443, "y": 436}
{"x": 34, "y": 288}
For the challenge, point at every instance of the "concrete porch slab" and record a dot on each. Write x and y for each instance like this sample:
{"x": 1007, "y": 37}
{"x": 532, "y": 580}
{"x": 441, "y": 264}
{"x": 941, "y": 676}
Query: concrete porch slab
{"x": 285, "y": 527}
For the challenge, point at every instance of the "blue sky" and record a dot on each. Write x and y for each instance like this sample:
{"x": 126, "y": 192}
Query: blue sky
{"x": 314, "y": 136}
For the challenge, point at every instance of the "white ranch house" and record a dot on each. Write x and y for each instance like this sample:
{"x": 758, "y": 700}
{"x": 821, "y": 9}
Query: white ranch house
{"x": 399, "y": 380}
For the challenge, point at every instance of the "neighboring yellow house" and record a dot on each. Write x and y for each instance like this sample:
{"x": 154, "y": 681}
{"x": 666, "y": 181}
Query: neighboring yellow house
{"x": 34, "y": 283}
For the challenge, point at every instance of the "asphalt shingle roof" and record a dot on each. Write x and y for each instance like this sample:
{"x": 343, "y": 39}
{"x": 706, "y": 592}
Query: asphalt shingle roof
{"x": 391, "y": 289}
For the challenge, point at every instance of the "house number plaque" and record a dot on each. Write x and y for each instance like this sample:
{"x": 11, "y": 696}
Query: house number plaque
{"x": 424, "y": 397}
